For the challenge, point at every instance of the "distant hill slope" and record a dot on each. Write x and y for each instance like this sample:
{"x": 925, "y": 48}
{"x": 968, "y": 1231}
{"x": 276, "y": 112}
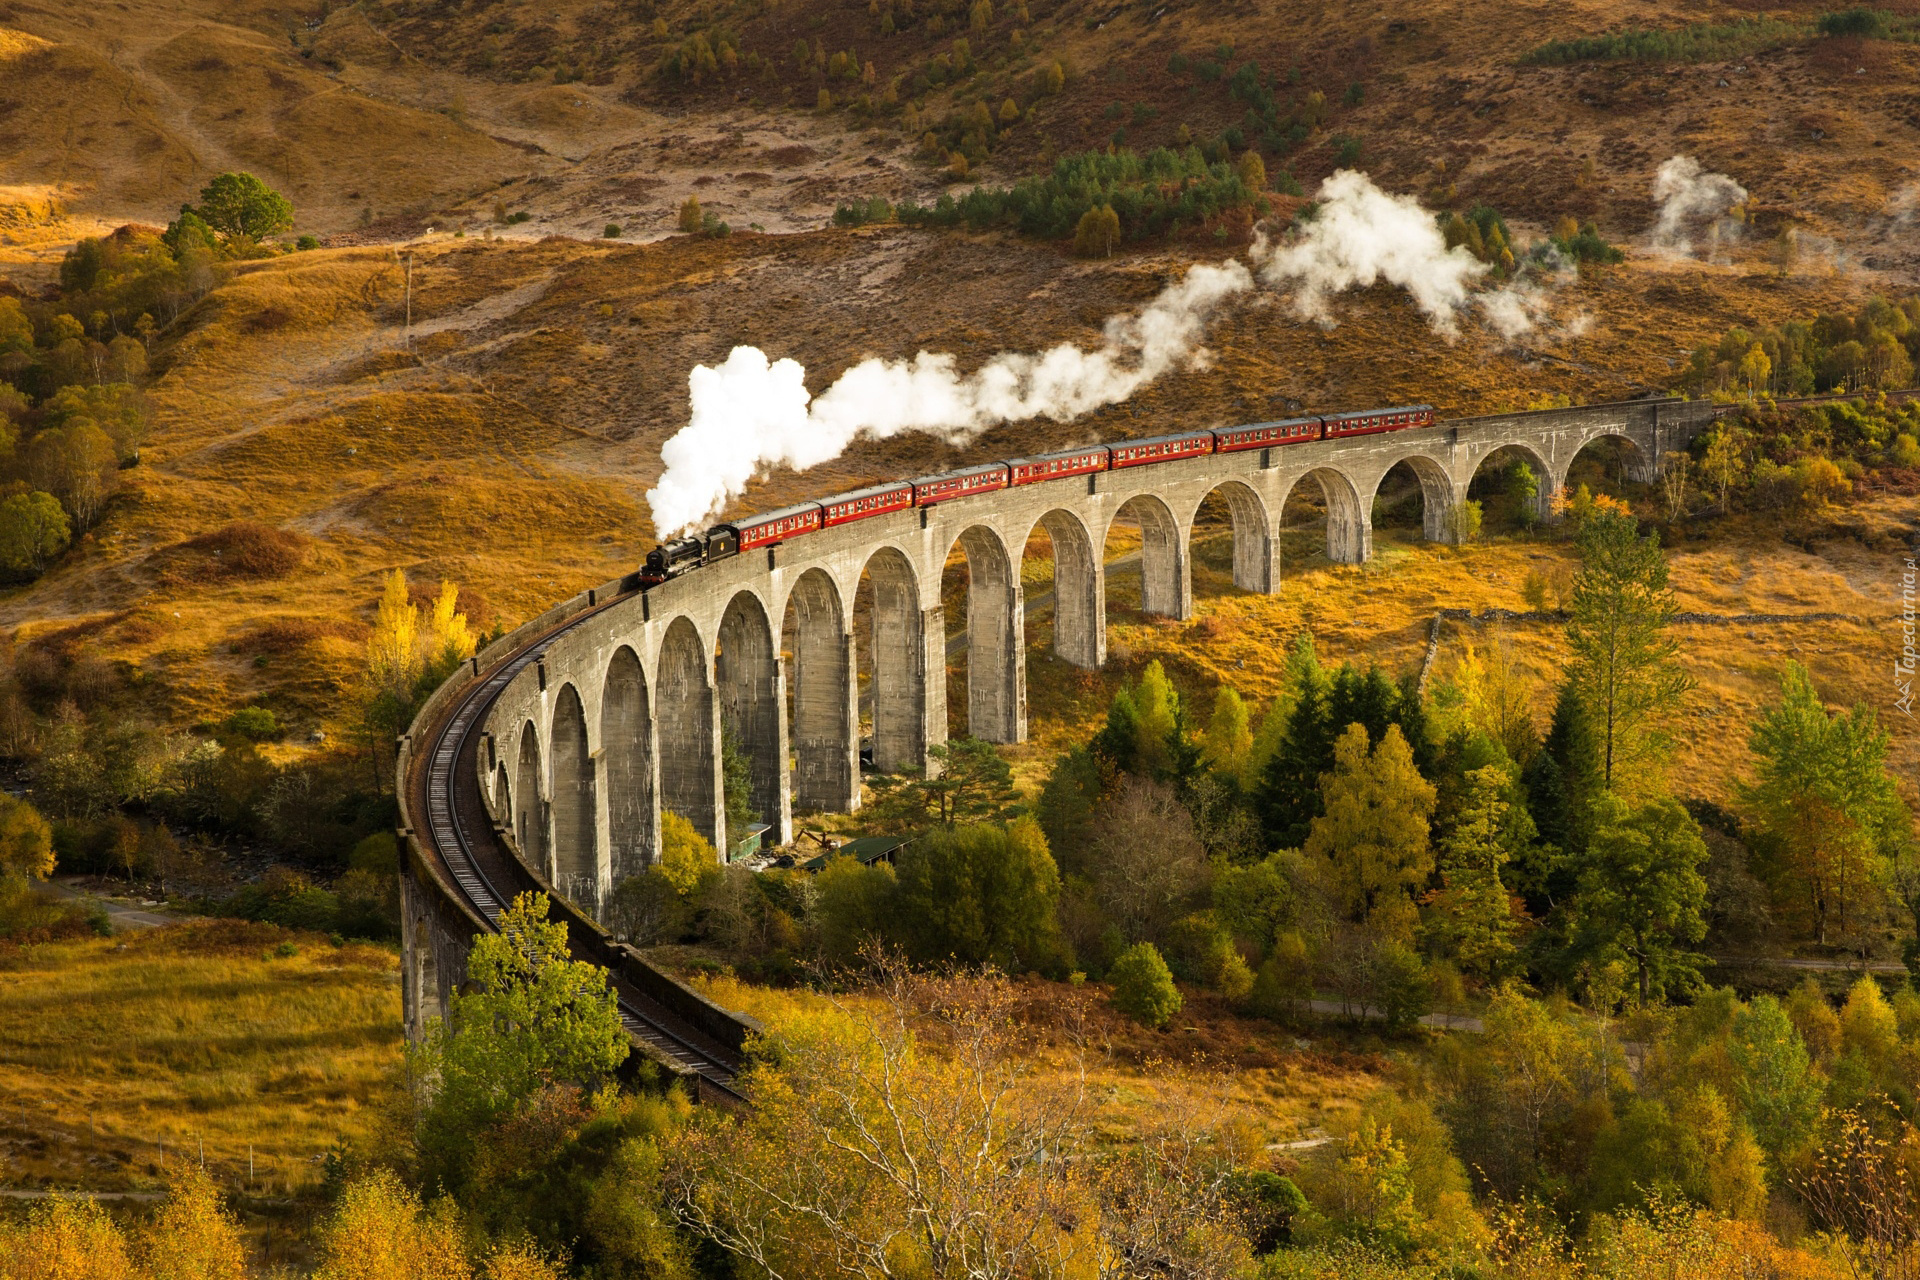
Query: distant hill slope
{"x": 573, "y": 110}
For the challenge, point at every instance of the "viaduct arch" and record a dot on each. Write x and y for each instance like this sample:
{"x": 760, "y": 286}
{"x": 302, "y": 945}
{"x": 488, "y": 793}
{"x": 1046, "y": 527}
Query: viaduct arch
{"x": 619, "y": 719}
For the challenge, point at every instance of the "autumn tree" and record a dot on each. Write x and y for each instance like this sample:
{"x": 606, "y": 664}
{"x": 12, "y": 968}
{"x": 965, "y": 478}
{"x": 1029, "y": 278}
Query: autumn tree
{"x": 1146, "y": 866}
{"x": 64, "y": 1236}
{"x": 535, "y": 1018}
{"x": 1624, "y": 668}
{"x": 1252, "y": 170}
{"x": 691, "y": 216}
{"x": 866, "y": 1155}
{"x": 1641, "y": 892}
{"x": 26, "y": 841}
{"x": 1498, "y": 699}
{"x": 1826, "y": 807}
{"x": 1097, "y": 234}
{"x": 1756, "y": 368}
{"x": 408, "y": 655}
{"x": 193, "y": 1237}
{"x": 685, "y": 854}
{"x": 1724, "y": 463}
{"x": 1229, "y": 738}
{"x": 1673, "y": 482}
{"x": 380, "y": 1231}
{"x": 1371, "y": 843}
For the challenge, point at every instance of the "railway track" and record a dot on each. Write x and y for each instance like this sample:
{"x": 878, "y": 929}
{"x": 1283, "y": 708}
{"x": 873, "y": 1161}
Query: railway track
{"x": 458, "y": 831}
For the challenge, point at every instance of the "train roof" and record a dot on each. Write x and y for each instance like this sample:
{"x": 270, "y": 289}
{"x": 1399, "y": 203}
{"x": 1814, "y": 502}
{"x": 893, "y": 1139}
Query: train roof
{"x": 768, "y": 517}
{"x": 1374, "y": 413}
{"x": 1053, "y": 454}
{"x": 982, "y": 469}
{"x": 867, "y": 492}
{"x": 1277, "y": 422}
{"x": 1166, "y": 439}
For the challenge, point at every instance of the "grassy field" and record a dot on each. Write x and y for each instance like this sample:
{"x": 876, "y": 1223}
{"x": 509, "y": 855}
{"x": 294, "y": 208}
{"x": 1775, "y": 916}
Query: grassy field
{"x": 1381, "y": 613}
{"x": 210, "y": 1036}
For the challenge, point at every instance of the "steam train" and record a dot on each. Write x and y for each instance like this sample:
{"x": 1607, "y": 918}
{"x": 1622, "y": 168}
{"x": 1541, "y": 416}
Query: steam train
{"x": 671, "y": 559}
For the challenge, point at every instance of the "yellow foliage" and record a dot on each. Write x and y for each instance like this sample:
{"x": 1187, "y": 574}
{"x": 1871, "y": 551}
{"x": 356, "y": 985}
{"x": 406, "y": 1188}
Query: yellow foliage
{"x": 1867, "y": 1022}
{"x": 685, "y": 854}
{"x": 193, "y": 1238}
{"x": 519, "y": 1261}
{"x": 26, "y": 842}
{"x": 1252, "y": 170}
{"x": 449, "y": 640}
{"x": 1097, "y": 233}
{"x": 691, "y": 216}
{"x": 380, "y": 1233}
{"x": 64, "y": 1238}
{"x": 393, "y": 650}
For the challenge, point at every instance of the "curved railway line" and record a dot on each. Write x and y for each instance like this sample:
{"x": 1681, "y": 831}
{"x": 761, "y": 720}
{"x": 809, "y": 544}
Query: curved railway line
{"x": 459, "y": 834}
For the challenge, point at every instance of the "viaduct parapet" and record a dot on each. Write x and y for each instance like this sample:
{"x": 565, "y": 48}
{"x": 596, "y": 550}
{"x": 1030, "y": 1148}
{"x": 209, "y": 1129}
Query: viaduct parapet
{"x": 615, "y": 706}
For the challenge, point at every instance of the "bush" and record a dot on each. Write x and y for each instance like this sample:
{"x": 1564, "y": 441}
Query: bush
{"x": 690, "y": 216}
{"x": 255, "y": 724}
{"x": 249, "y": 549}
{"x": 1142, "y": 987}
{"x": 1868, "y": 24}
{"x": 611, "y": 231}
{"x": 307, "y": 242}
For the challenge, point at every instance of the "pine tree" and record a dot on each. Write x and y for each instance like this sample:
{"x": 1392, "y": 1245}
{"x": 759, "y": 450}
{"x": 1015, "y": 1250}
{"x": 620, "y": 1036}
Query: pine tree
{"x": 1289, "y": 799}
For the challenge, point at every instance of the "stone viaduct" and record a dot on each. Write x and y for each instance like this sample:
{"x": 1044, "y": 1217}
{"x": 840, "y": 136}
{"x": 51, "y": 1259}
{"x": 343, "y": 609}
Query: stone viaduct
{"x": 621, "y": 716}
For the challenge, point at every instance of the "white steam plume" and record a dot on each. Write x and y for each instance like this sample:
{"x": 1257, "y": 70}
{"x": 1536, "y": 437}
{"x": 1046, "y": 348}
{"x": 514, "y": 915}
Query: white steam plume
{"x": 1361, "y": 235}
{"x": 1688, "y": 196}
{"x": 749, "y": 415}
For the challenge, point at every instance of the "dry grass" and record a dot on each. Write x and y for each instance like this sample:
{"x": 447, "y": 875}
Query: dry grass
{"x": 195, "y": 1033}
{"x": 1381, "y": 612}
{"x": 1238, "y": 1071}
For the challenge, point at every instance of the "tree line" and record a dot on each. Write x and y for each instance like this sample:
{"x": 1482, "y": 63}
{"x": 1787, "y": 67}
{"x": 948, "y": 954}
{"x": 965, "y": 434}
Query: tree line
{"x": 71, "y": 368}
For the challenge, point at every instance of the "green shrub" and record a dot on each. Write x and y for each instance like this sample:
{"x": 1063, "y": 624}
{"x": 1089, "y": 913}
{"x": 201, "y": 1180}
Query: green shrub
{"x": 1701, "y": 42}
{"x": 611, "y": 231}
{"x": 255, "y": 724}
{"x": 1142, "y": 987}
{"x": 1870, "y": 24}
